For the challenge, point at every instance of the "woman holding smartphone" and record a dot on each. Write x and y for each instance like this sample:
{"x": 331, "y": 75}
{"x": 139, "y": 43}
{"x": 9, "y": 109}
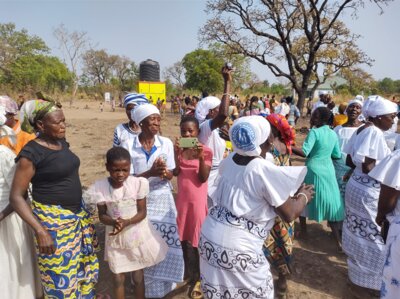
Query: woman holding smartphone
{"x": 193, "y": 165}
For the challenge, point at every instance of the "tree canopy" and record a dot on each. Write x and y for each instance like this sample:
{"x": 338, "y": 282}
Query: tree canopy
{"x": 297, "y": 40}
{"x": 203, "y": 71}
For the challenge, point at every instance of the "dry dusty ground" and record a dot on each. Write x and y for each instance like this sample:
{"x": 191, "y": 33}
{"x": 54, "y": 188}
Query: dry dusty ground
{"x": 320, "y": 271}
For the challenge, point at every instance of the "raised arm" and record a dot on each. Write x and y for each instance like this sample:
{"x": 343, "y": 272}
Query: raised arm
{"x": 219, "y": 120}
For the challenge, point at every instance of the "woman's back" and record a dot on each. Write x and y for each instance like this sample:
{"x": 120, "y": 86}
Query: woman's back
{"x": 321, "y": 143}
{"x": 253, "y": 190}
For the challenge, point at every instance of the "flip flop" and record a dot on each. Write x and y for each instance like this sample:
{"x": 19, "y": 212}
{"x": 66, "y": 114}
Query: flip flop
{"x": 196, "y": 292}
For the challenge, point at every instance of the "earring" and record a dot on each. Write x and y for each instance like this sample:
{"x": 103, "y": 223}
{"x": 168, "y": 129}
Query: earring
{"x": 140, "y": 124}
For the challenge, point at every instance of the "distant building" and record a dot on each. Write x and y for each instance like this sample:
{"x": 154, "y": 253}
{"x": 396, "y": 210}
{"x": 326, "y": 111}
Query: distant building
{"x": 329, "y": 86}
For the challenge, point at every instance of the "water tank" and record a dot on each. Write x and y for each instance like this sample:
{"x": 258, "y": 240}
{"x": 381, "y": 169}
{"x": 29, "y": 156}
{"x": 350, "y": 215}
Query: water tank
{"x": 149, "y": 70}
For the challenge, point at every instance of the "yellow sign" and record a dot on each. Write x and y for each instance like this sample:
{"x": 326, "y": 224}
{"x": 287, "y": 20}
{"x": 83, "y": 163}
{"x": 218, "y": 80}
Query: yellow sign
{"x": 152, "y": 90}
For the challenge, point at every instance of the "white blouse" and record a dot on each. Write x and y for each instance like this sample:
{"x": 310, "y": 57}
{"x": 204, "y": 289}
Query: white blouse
{"x": 370, "y": 143}
{"x": 254, "y": 190}
{"x": 212, "y": 139}
{"x": 163, "y": 147}
{"x": 388, "y": 173}
{"x": 344, "y": 134}
{"x": 123, "y": 137}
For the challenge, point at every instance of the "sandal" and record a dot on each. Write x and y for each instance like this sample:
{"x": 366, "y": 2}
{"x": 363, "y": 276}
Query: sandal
{"x": 196, "y": 292}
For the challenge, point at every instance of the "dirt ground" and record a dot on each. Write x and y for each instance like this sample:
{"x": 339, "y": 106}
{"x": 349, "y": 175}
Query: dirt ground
{"x": 320, "y": 271}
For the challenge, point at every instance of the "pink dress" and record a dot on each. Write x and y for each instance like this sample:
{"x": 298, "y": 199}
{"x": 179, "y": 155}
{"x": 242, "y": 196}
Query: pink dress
{"x": 191, "y": 201}
{"x": 138, "y": 245}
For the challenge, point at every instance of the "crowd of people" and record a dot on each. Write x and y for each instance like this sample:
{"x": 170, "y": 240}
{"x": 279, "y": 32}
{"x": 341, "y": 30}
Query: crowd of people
{"x": 232, "y": 219}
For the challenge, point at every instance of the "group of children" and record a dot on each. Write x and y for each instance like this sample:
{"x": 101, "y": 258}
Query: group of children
{"x": 131, "y": 242}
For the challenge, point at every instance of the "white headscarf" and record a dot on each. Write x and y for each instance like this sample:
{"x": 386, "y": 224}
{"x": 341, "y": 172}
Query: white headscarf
{"x": 141, "y": 112}
{"x": 4, "y": 129}
{"x": 376, "y": 105}
{"x": 355, "y": 101}
{"x": 359, "y": 97}
{"x": 203, "y": 107}
{"x": 248, "y": 133}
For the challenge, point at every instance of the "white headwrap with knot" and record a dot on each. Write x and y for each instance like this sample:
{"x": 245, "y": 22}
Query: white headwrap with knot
{"x": 376, "y": 105}
{"x": 4, "y": 129}
{"x": 141, "y": 112}
{"x": 248, "y": 133}
{"x": 203, "y": 107}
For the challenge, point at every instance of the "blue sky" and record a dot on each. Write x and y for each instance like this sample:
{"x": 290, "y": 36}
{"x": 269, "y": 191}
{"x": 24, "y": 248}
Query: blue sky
{"x": 166, "y": 30}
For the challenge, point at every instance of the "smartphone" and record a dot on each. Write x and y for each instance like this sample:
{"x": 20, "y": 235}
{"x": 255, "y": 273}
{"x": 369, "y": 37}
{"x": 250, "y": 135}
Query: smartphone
{"x": 188, "y": 142}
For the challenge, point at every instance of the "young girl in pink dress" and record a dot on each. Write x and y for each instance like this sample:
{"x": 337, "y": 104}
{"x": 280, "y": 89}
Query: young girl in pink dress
{"x": 131, "y": 243}
{"x": 193, "y": 167}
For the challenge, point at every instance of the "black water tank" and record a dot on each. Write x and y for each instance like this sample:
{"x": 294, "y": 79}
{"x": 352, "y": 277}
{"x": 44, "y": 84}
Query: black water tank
{"x": 149, "y": 70}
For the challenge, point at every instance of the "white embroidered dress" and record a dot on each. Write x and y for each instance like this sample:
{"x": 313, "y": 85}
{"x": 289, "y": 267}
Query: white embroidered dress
{"x": 232, "y": 263}
{"x": 388, "y": 173}
{"x": 362, "y": 241}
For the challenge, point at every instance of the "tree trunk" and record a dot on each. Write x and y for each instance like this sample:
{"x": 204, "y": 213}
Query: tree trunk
{"x": 74, "y": 90}
{"x": 302, "y": 98}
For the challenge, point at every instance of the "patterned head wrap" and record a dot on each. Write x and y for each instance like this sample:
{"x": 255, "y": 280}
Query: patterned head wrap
{"x": 135, "y": 98}
{"x": 204, "y": 106}
{"x": 34, "y": 110}
{"x": 4, "y": 129}
{"x": 248, "y": 133}
{"x": 376, "y": 105}
{"x": 143, "y": 111}
{"x": 9, "y": 104}
{"x": 288, "y": 134}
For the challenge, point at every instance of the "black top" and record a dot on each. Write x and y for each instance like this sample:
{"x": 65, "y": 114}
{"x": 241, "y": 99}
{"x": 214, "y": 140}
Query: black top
{"x": 56, "y": 180}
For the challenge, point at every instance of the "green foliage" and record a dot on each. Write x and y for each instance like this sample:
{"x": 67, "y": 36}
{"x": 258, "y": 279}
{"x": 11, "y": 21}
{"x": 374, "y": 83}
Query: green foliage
{"x": 203, "y": 71}
{"x": 39, "y": 72}
{"x": 16, "y": 44}
{"x": 241, "y": 63}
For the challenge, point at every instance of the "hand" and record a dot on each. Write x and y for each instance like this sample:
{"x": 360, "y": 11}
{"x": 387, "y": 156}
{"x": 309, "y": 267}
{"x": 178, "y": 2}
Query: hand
{"x": 308, "y": 190}
{"x": 158, "y": 168}
{"x": 224, "y": 133}
{"x": 227, "y": 74}
{"x": 346, "y": 177}
{"x": 45, "y": 242}
{"x": 177, "y": 149}
{"x": 200, "y": 151}
{"x": 119, "y": 225}
{"x": 380, "y": 219}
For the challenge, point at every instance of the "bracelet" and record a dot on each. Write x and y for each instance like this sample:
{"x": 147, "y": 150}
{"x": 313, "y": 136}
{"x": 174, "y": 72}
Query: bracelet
{"x": 226, "y": 94}
{"x": 305, "y": 197}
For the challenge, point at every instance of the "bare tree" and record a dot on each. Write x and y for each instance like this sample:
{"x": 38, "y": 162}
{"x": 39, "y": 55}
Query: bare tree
{"x": 301, "y": 41}
{"x": 73, "y": 45}
{"x": 175, "y": 73}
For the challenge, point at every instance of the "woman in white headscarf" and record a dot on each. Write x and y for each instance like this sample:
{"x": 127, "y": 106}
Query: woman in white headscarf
{"x": 251, "y": 192}
{"x": 344, "y": 133}
{"x": 361, "y": 238}
{"x": 211, "y": 114}
{"x": 125, "y": 133}
{"x": 21, "y": 137}
{"x": 153, "y": 158}
{"x": 18, "y": 269}
{"x": 388, "y": 174}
